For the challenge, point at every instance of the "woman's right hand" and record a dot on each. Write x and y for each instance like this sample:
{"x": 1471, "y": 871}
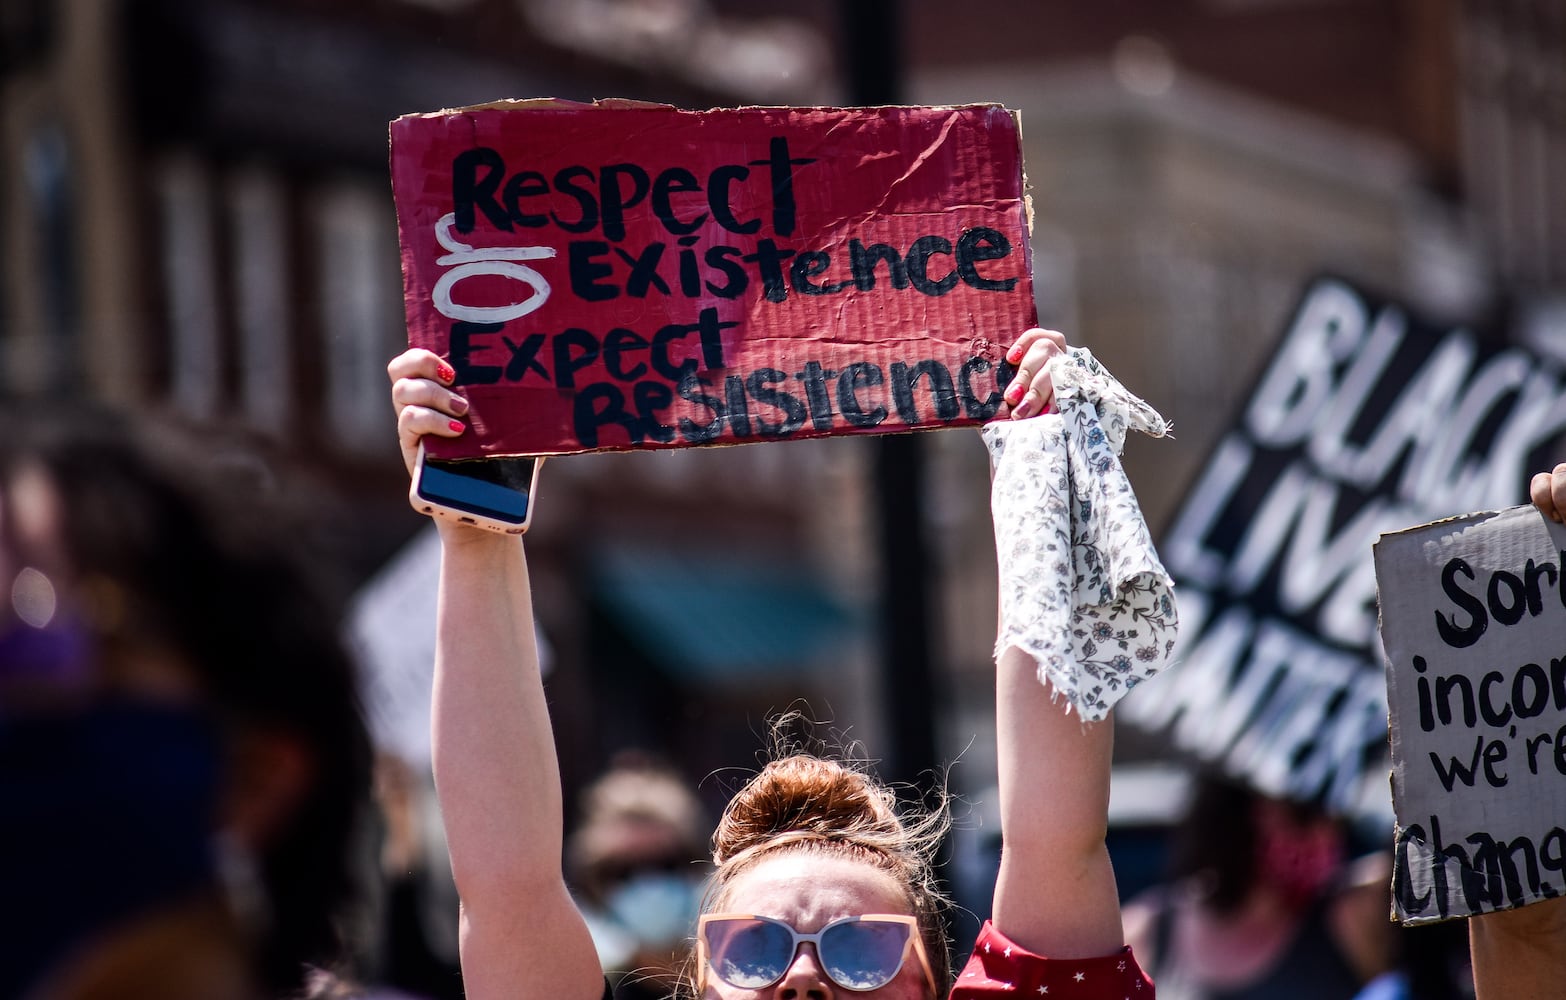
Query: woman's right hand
{"x": 521, "y": 935}
{"x": 424, "y": 403}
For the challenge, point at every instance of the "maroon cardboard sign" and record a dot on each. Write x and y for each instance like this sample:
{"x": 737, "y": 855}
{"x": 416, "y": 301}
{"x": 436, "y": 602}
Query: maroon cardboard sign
{"x": 621, "y": 275}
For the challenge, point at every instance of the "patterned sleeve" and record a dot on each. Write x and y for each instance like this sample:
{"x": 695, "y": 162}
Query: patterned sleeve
{"x": 1001, "y": 970}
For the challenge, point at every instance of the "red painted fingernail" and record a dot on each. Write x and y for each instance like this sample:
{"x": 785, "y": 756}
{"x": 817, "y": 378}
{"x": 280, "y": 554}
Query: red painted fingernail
{"x": 457, "y": 426}
{"x": 1014, "y": 395}
{"x": 1015, "y": 354}
{"x": 446, "y": 372}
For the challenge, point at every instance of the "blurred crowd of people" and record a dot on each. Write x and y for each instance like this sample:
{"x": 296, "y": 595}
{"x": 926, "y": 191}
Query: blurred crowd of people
{"x": 192, "y": 808}
{"x": 185, "y": 768}
{"x": 1271, "y": 898}
{"x": 191, "y": 800}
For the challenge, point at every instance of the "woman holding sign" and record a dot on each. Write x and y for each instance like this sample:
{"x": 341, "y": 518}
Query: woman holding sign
{"x": 821, "y": 889}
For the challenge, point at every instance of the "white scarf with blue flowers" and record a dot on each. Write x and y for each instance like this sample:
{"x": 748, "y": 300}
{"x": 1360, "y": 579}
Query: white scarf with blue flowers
{"x": 1082, "y": 589}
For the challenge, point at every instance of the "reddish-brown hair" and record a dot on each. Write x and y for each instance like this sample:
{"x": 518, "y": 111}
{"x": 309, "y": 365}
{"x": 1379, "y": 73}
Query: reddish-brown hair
{"x": 816, "y": 805}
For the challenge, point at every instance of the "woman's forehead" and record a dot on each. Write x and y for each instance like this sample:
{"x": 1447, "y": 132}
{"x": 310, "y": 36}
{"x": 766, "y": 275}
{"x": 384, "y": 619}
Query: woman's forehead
{"x": 809, "y": 889}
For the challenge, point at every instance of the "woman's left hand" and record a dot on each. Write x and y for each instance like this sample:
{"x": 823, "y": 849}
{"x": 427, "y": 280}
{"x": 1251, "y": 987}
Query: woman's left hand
{"x": 1030, "y": 392}
{"x": 1548, "y": 492}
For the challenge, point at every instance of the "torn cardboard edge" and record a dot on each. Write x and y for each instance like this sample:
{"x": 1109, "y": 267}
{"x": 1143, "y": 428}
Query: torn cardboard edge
{"x": 631, "y": 104}
{"x": 1473, "y": 621}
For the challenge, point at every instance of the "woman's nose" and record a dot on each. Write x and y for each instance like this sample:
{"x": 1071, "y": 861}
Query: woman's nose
{"x": 805, "y": 979}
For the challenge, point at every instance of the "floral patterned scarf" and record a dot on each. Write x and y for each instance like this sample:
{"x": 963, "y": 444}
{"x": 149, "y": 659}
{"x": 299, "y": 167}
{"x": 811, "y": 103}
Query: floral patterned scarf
{"x": 1082, "y": 590}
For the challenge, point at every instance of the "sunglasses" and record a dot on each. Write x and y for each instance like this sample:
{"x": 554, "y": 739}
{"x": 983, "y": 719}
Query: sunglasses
{"x": 857, "y": 953}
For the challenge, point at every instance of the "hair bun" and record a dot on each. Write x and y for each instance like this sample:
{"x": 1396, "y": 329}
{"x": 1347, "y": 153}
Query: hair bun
{"x": 802, "y": 797}
{"x": 824, "y": 806}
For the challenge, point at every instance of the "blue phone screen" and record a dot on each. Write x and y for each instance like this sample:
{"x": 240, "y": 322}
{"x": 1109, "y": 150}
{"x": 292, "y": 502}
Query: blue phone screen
{"x": 495, "y": 487}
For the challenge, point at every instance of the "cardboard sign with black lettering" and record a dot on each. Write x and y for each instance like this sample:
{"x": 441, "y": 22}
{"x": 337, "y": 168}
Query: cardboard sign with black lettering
{"x": 1367, "y": 418}
{"x": 1473, "y": 618}
{"x": 623, "y": 275}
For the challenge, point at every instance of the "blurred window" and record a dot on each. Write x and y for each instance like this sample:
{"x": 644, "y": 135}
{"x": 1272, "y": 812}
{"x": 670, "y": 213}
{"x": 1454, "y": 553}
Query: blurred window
{"x": 48, "y": 171}
{"x": 360, "y": 295}
{"x": 184, "y": 195}
{"x": 257, "y": 207}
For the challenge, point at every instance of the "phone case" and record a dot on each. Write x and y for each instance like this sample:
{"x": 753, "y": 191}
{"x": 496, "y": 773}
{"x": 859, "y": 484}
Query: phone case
{"x": 475, "y": 500}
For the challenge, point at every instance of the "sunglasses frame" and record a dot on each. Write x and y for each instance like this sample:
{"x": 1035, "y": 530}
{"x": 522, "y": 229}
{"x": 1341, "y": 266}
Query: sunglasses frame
{"x": 915, "y": 942}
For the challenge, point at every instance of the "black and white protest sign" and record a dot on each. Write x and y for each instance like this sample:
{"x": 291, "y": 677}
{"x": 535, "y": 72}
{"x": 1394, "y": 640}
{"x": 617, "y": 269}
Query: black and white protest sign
{"x": 1473, "y": 617}
{"x": 1367, "y": 419}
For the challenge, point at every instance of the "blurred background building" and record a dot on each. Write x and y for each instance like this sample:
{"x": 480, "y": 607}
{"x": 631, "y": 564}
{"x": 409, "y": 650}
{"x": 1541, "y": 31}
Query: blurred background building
{"x": 195, "y": 217}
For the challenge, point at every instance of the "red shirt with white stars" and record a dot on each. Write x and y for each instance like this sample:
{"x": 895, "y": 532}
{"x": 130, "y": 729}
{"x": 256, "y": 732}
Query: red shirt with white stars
{"x": 1001, "y": 970}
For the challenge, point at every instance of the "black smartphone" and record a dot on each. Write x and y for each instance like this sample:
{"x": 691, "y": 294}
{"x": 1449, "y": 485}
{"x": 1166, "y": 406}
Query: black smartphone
{"x": 493, "y": 493}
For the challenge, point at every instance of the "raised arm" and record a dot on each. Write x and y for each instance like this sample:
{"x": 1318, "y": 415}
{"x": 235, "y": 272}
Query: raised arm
{"x": 1055, "y": 894}
{"x": 1519, "y": 954}
{"x": 495, "y": 765}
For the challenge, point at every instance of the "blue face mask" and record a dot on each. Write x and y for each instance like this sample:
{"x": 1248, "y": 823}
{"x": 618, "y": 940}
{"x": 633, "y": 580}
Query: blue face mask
{"x": 659, "y": 908}
{"x": 105, "y": 814}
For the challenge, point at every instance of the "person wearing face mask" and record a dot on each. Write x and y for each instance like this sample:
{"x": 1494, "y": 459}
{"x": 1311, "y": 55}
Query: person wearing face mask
{"x": 182, "y": 758}
{"x": 1262, "y": 904}
{"x": 637, "y": 862}
{"x": 822, "y": 888}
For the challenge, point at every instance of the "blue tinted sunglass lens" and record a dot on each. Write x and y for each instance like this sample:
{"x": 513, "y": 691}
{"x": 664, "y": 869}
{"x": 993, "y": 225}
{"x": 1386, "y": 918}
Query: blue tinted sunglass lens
{"x": 864, "y": 954}
{"x": 749, "y": 954}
